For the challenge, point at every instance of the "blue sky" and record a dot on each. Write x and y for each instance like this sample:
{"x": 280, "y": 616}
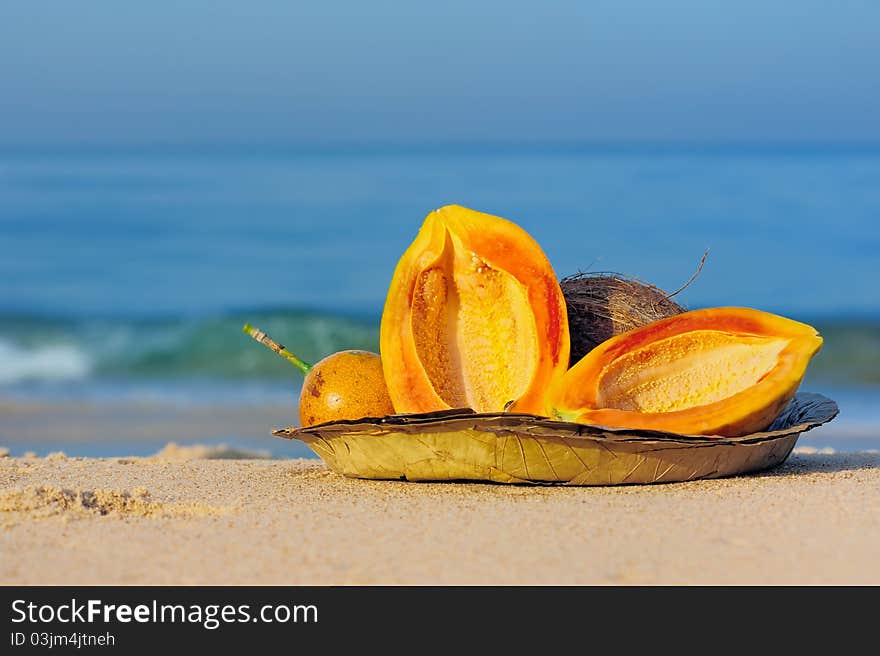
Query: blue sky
{"x": 343, "y": 70}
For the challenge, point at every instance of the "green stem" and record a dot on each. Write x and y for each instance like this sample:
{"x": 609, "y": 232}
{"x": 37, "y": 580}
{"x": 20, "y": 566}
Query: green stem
{"x": 268, "y": 342}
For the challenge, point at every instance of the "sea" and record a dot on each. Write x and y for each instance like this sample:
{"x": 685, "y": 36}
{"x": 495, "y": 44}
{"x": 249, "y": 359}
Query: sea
{"x": 128, "y": 271}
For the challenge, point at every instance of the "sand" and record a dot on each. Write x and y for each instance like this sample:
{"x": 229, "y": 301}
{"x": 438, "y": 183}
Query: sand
{"x": 173, "y": 519}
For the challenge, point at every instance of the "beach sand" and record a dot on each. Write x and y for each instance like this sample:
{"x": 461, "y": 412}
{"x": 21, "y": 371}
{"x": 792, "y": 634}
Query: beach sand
{"x": 173, "y": 520}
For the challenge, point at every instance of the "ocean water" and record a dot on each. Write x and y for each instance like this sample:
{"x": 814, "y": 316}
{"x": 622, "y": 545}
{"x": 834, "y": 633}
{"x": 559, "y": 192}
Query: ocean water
{"x": 128, "y": 272}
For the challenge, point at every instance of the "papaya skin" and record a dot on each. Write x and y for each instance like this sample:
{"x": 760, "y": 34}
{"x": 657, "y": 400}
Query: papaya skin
{"x": 474, "y": 317}
{"x": 718, "y": 371}
{"x": 344, "y": 385}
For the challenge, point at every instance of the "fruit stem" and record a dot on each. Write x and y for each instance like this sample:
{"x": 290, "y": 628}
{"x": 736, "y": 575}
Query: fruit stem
{"x": 270, "y": 343}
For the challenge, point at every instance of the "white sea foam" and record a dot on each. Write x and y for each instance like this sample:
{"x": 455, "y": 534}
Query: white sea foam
{"x": 48, "y": 362}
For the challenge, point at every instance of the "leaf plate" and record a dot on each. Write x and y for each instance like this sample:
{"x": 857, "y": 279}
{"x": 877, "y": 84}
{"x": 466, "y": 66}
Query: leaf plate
{"x": 518, "y": 448}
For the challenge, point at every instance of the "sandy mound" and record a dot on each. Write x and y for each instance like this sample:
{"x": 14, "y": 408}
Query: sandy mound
{"x": 175, "y": 452}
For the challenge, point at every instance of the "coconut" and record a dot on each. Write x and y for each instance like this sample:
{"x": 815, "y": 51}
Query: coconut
{"x": 602, "y": 305}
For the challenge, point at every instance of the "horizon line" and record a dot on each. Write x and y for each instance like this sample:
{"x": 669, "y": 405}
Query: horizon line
{"x": 618, "y": 145}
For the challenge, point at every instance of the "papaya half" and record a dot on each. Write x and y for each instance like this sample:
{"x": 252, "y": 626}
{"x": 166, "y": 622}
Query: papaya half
{"x": 719, "y": 371}
{"x": 474, "y": 318}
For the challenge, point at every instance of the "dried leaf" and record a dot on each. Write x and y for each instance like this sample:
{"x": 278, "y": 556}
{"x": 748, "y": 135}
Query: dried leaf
{"x": 517, "y": 448}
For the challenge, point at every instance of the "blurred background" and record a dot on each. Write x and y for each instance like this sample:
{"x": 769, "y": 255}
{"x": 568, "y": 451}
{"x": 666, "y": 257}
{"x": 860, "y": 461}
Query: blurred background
{"x": 171, "y": 170}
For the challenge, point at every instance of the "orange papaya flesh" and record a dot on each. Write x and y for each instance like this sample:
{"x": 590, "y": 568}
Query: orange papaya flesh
{"x": 717, "y": 371}
{"x": 474, "y": 318}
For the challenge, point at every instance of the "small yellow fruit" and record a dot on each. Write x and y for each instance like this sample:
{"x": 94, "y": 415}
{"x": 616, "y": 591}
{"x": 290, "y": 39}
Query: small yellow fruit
{"x": 344, "y": 385}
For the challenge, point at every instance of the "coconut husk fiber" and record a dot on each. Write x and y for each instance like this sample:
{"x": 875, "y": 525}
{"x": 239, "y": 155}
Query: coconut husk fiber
{"x": 602, "y": 305}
